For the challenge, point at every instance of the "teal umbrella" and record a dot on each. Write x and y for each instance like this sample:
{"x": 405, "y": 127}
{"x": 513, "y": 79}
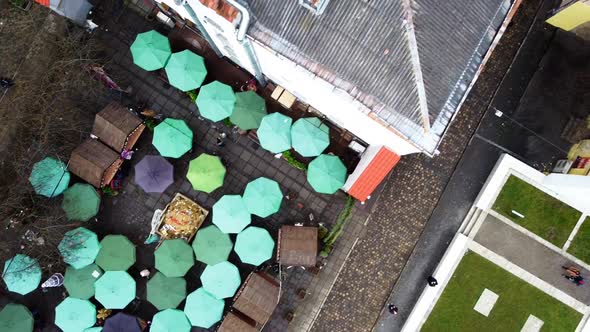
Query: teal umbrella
{"x": 174, "y": 258}
{"x": 254, "y": 245}
{"x": 80, "y": 282}
{"x": 94, "y": 329}
{"x": 274, "y": 133}
{"x": 150, "y": 50}
{"x": 16, "y": 318}
{"x": 170, "y": 320}
{"x": 249, "y": 111}
{"x": 185, "y": 70}
{"x": 310, "y": 137}
{"x": 115, "y": 289}
{"x": 79, "y": 247}
{"x": 164, "y": 292}
{"x": 203, "y": 309}
{"x": 116, "y": 253}
{"x": 230, "y": 214}
{"x": 173, "y": 138}
{"x": 211, "y": 245}
{"x": 263, "y": 197}
{"x": 22, "y": 274}
{"x": 75, "y": 315}
{"x": 216, "y": 101}
{"x": 326, "y": 174}
{"x": 81, "y": 202}
{"x": 206, "y": 173}
{"x": 221, "y": 280}
{"x": 49, "y": 177}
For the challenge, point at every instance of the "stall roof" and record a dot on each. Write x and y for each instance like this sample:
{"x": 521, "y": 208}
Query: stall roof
{"x": 115, "y": 125}
{"x": 298, "y": 245}
{"x": 258, "y": 297}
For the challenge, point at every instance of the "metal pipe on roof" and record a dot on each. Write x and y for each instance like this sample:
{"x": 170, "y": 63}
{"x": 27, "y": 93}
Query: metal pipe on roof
{"x": 244, "y": 22}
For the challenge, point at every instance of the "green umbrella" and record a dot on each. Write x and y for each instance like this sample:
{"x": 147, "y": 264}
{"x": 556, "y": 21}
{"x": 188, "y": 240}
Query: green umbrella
{"x": 164, "y": 292}
{"x": 274, "y": 133}
{"x": 115, "y": 289}
{"x": 203, "y": 309}
{"x": 22, "y": 274}
{"x": 75, "y": 315}
{"x": 310, "y": 137}
{"x": 150, "y": 50}
{"x": 80, "y": 282}
{"x": 249, "y": 110}
{"x": 263, "y": 197}
{"x": 170, "y": 320}
{"x": 116, "y": 253}
{"x": 206, "y": 173}
{"x": 174, "y": 258}
{"x": 326, "y": 174}
{"x": 173, "y": 138}
{"x": 212, "y": 246}
{"x": 81, "y": 202}
{"x": 16, "y": 318}
{"x": 185, "y": 70}
{"x": 230, "y": 214}
{"x": 49, "y": 177}
{"x": 221, "y": 280}
{"x": 254, "y": 245}
{"x": 216, "y": 101}
{"x": 79, "y": 247}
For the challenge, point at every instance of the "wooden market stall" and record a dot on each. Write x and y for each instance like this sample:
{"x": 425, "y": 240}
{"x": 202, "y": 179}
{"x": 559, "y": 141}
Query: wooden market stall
{"x": 258, "y": 297}
{"x": 95, "y": 163}
{"x": 234, "y": 323}
{"x": 297, "y": 246}
{"x": 116, "y": 127}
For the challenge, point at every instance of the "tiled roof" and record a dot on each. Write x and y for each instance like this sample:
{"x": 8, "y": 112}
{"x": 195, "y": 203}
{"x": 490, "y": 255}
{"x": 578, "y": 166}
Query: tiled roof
{"x": 372, "y": 175}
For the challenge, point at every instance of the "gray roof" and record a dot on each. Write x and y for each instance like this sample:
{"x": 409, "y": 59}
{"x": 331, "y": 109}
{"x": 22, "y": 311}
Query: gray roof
{"x": 386, "y": 55}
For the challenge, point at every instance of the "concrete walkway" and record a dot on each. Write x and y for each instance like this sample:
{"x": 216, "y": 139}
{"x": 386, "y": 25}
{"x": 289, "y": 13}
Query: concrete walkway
{"x": 537, "y": 259}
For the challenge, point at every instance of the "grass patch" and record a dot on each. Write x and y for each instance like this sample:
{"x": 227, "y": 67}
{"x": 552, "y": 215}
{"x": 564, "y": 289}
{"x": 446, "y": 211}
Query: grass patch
{"x": 517, "y": 300}
{"x": 545, "y": 215}
{"x": 580, "y": 246}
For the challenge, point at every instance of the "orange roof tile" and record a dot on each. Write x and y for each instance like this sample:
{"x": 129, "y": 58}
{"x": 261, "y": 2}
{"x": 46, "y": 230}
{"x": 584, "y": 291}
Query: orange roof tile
{"x": 43, "y": 2}
{"x": 373, "y": 174}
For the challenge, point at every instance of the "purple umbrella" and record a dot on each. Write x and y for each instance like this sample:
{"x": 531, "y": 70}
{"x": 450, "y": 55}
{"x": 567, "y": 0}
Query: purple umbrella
{"x": 121, "y": 322}
{"x": 154, "y": 174}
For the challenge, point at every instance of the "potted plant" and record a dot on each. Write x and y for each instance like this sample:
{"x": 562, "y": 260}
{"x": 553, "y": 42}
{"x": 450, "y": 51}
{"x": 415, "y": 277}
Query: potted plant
{"x": 22, "y": 4}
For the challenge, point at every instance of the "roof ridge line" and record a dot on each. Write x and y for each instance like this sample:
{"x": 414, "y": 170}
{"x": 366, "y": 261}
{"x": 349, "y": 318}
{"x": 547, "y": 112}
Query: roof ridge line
{"x": 408, "y": 22}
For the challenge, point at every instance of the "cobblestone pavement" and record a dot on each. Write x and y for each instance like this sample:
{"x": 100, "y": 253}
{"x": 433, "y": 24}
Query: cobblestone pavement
{"x": 403, "y": 209}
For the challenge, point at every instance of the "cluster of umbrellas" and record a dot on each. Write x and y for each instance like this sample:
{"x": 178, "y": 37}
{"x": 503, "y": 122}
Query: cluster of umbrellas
{"x": 50, "y": 178}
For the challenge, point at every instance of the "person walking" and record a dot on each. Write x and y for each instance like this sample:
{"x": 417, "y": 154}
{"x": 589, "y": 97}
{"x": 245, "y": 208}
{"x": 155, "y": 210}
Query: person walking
{"x": 432, "y": 281}
{"x": 6, "y": 82}
{"x": 392, "y": 309}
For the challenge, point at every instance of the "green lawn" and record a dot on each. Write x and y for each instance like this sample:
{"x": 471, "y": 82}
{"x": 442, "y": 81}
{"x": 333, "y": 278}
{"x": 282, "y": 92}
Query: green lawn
{"x": 545, "y": 215}
{"x": 580, "y": 246}
{"x": 517, "y": 300}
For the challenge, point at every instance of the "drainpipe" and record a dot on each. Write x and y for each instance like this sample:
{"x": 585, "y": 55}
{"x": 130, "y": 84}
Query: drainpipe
{"x": 241, "y": 37}
{"x": 200, "y": 26}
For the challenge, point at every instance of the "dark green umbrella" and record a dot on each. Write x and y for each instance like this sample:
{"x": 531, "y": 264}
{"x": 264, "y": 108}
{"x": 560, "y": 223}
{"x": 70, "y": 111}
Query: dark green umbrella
{"x": 249, "y": 111}
{"x": 203, "y": 309}
{"x": 150, "y": 50}
{"x": 80, "y": 282}
{"x": 170, "y": 320}
{"x": 75, "y": 314}
{"x": 174, "y": 258}
{"x": 79, "y": 247}
{"x": 116, "y": 253}
{"x": 211, "y": 245}
{"x": 254, "y": 245}
{"x": 16, "y": 318}
{"x": 49, "y": 177}
{"x": 221, "y": 280}
{"x": 230, "y": 214}
{"x": 206, "y": 173}
{"x": 164, "y": 292}
{"x": 22, "y": 274}
{"x": 216, "y": 101}
{"x": 81, "y": 202}
{"x": 115, "y": 289}
{"x": 326, "y": 174}
{"x": 274, "y": 133}
{"x": 310, "y": 137}
{"x": 185, "y": 70}
{"x": 173, "y": 138}
{"x": 263, "y": 197}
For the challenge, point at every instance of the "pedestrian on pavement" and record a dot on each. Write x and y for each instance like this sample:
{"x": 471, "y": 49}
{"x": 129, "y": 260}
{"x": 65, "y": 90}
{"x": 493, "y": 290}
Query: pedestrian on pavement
{"x": 6, "y": 82}
{"x": 432, "y": 281}
{"x": 392, "y": 309}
